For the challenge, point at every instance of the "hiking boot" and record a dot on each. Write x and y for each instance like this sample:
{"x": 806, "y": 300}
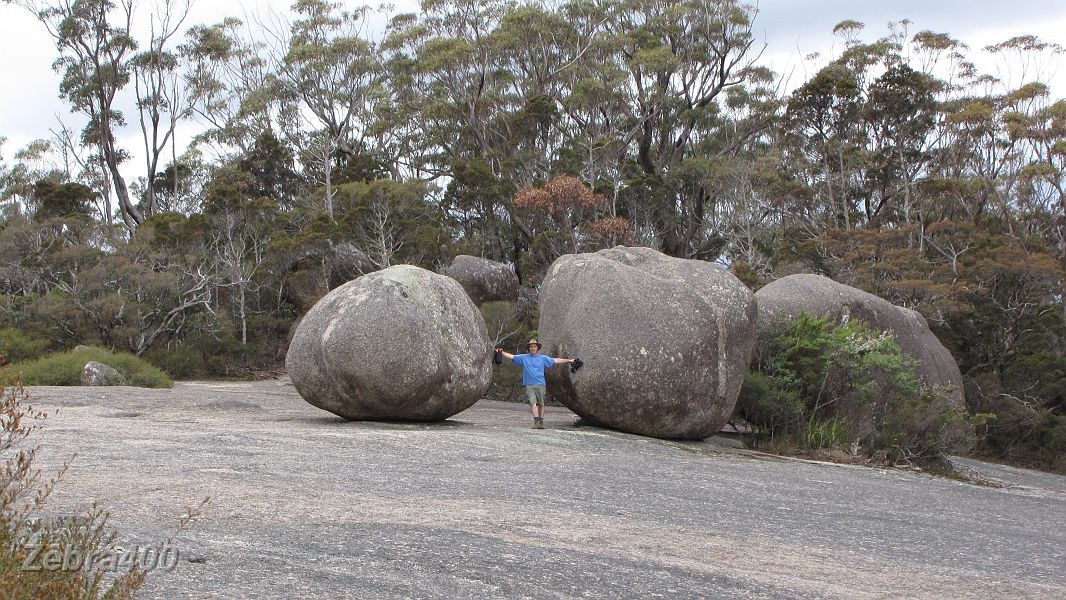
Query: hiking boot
{"x": 538, "y": 423}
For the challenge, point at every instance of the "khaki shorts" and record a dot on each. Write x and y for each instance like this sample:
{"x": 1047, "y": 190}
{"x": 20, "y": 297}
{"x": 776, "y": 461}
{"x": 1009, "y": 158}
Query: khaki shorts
{"x": 536, "y": 394}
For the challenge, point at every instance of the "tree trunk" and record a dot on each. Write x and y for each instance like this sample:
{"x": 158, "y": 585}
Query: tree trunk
{"x": 244, "y": 316}
{"x": 131, "y": 216}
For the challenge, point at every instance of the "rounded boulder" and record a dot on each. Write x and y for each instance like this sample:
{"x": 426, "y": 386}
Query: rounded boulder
{"x": 665, "y": 341}
{"x": 785, "y": 299}
{"x": 323, "y": 268}
{"x": 403, "y": 343}
{"x": 484, "y": 280}
{"x": 97, "y": 373}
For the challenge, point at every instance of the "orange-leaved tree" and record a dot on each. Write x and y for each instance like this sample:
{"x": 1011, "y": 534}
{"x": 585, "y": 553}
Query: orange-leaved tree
{"x": 568, "y": 216}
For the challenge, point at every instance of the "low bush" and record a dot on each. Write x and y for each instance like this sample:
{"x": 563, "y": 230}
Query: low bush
{"x": 64, "y": 368}
{"x": 828, "y": 386}
{"x": 210, "y": 349}
{"x": 506, "y": 383}
{"x": 180, "y": 362}
{"x": 16, "y": 346}
{"x": 830, "y": 433}
{"x": 1023, "y": 434}
{"x": 510, "y": 326}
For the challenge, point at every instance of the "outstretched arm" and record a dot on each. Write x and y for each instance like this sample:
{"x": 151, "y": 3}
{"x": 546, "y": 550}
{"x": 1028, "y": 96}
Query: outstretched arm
{"x": 564, "y": 361}
{"x": 505, "y": 354}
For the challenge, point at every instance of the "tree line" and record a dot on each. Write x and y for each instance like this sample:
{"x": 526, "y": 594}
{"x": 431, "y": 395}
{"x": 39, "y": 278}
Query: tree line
{"x": 521, "y": 132}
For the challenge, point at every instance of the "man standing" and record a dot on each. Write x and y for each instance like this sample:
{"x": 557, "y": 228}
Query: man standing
{"x": 533, "y": 365}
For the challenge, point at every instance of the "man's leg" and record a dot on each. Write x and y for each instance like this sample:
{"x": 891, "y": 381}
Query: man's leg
{"x": 531, "y": 396}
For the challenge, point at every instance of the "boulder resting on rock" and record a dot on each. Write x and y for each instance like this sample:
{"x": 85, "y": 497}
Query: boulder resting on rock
{"x": 322, "y": 269}
{"x": 484, "y": 280}
{"x": 97, "y": 373}
{"x": 665, "y": 341}
{"x": 785, "y": 299}
{"x": 403, "y": 343}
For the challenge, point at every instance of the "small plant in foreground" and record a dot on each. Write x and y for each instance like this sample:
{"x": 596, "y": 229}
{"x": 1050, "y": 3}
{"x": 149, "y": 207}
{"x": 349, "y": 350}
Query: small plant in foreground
{"x": 36, "y": 551}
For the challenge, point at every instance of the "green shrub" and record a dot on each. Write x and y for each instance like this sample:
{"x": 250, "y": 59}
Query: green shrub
{"x": 1023, "y": 433}
{"x": 180, "y": 362}
{"x": 748, "y": 275}
{"x": 506, "y": 384}
{"x": 64, "y": 368}
{"x": 17, "y": 346}
{"x": 830, "y": 433}
{"x": 211, "y": 348}
{"x": 509, "y": 327}
{"x": 773, "y": 402}
{"x": 830, "y": 386}
{"x": 926, "y": 426}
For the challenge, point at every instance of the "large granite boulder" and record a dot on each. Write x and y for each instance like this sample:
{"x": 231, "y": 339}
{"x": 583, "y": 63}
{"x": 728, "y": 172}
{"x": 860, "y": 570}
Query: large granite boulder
{"x": 344, "y": 262}
{"x": 97, "y": 373}
{"x": 788, "y": 297}
{"x": 402, "y": 343}
{"x": 484, "y": 280}
{"x": 323, "y": 268}
{"x": 292, "y": 331}
{"x": 665, "y": 341}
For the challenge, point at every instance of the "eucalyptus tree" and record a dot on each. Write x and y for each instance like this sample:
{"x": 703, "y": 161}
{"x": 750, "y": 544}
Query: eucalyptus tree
{"x": 238, "y": 239}
{"x": 823, "y": 120}
{"x": 993, "y": 149}
{"x": 453, "y": 84}
{"x": 46, "y": 159}
{"x": 596, "y": 134}
{"x": 899, "y": 113}
{"x": 447, "y": 82}
{"x": 1047, "y": 131}
{"x": 5, "y": 173}
{"x": 231, "y": 86}
{"x": 18, "y": 177}
{"x": 861, "y": 131}
{"x": 98, "y": 58}
{"x": 179, "y": 186}
{"x": 482, "y": 85}
{"x": 161, "y": 96}
{"x": 95, "y": 47}
{"x": 679, "y": 58}
{"x": 331, "y": 71}
{"x": 542, "y": 48}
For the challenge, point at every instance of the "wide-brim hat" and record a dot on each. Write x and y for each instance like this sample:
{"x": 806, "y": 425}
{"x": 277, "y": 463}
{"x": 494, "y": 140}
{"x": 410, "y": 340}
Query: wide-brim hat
{"x": 533, "y": 341}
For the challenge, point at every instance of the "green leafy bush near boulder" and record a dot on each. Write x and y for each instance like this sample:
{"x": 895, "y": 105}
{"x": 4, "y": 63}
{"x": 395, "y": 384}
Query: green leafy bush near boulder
{"x": 824, "y": 386}
{"x": 64, "y": 368}
{"x": 1023, "y": 434}
{"x": 181, "y": 362}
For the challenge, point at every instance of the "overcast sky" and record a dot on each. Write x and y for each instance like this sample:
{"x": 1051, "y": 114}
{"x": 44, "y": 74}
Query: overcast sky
{"x": 791, "y": 29}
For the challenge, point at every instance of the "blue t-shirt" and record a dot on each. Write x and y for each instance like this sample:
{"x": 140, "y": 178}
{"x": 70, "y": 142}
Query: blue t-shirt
{"x": 533, "y": 367}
